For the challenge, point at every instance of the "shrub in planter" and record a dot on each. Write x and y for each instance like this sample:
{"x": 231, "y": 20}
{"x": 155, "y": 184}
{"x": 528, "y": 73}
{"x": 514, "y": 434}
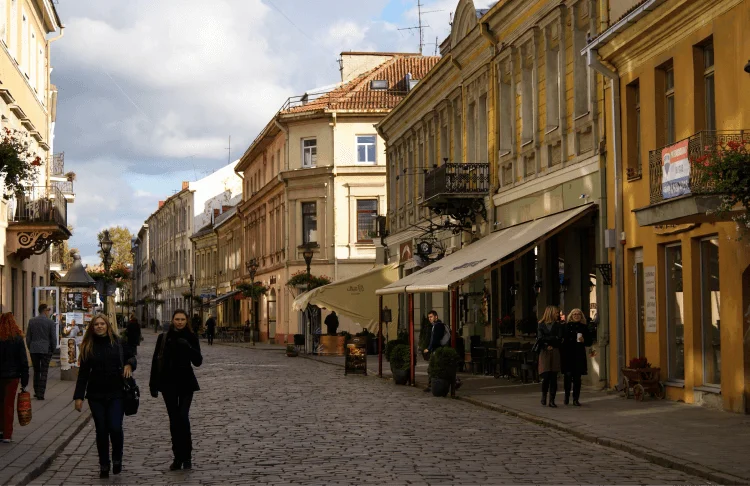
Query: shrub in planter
{"x": 388, "y": 348}
{"x": 291, "y": 351}
{"x": 400, "y": 363}
{"x": 442, "y": 370}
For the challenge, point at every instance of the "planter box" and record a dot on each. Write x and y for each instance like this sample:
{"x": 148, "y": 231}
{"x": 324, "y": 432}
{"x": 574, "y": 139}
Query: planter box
{"x": 332, "y": 345}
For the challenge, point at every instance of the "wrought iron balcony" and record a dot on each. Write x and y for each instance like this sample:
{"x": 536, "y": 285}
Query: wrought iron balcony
{"x": 58, "y": 164}
{"x": 66, "y": 187}
{"x": 453, "y": 181}
{"x": 706, "y": 142}
{"x": 39, "y": 204}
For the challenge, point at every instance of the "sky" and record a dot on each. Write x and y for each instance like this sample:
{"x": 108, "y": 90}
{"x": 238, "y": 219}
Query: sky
{"x": 150, "y": 92}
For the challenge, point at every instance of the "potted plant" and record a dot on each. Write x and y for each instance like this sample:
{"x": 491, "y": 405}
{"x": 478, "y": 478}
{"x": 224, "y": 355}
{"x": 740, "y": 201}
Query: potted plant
{"x": 291, "y": 351}
{"x": 400, "y": 364}
{"x": 442, "y": 370}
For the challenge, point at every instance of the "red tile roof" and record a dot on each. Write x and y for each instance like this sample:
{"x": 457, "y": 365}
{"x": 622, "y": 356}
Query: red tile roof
{"x": 358, "y": 95}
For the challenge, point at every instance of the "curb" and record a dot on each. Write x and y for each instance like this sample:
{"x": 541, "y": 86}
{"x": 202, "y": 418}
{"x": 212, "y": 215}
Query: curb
{"x": 650, "y": 455}
{"x": 35, "y": 470}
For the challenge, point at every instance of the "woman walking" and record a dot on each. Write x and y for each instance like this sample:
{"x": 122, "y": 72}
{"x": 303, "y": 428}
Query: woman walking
{"x": 549, "y": 335}
{"x": 576, "y": 338}
{"x": 14, "y": 366}
{"x": 104, "y": 363}
{"x": 176, "y": 352}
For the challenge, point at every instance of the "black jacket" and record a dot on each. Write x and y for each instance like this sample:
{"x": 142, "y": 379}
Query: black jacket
{"x": 174, "y": 370}
{"x": 573, "y": 353}
{"x": 100, "y": 376}
{"x": 210, "y": 324}
{"x": 438, "y": 331}
{"x": 13, "y": 360}
{"x": 550, "y": 336}
{"x": 134, "y": 333}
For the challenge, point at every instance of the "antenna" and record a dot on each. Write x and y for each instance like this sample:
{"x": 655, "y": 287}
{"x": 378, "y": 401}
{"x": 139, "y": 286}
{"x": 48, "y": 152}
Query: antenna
{"x": 421, "y": 26}
{"x": 229, "y": 151}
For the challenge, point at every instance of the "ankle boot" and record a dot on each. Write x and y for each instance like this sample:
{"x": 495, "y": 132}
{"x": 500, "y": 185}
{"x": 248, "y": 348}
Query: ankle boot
{"x": 567, "y": 399}
{"x": 552, "y": 402}
{"x": 176, "y": 465}
{"x": 188, "y": 464}
{"x": 116, "y": 467}
{"x": 544, "y": 399}
{"x": 104, "y": 471}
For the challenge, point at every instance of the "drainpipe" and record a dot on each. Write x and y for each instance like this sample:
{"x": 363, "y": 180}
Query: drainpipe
{"x": 596, "y": 64}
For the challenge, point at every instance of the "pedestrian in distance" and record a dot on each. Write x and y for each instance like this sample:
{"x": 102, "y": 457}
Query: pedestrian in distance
{"x": 576, "y": 338}
{"x": 437, "y": 335}
{"x": 549, "y": 334}
{"x": 134, "y": 334}
{"x": 332, "y": 323}
{"x": 41, "y": 337}
{"x": 176, "y": 352}
{"x": 210, "y": 330}
{"x": 14, "y": 367}
{"x": 104, "y": 364}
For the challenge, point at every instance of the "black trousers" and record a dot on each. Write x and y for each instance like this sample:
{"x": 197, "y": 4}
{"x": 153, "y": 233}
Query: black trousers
{"x": 178, "y": 408}
{"x": 573, "y": 379}
{"x": 210, "y": 337}
{"x": 40, "y": 362}
{"x": 549, "y": 383}
{"x": 108, "y": 416}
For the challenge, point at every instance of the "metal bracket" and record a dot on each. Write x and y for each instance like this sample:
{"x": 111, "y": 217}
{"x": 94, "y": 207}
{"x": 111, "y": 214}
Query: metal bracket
{"x": 606, "y": 271}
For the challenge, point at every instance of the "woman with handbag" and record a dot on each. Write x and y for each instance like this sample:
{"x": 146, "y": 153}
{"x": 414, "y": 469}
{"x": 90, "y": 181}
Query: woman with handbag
{"x": 104, "y": 364}
{"x": 14, "y": 366}
{"x": 176, "y": 352}
{"x": 576, "y": 337}
{"x": 549, "y": 337}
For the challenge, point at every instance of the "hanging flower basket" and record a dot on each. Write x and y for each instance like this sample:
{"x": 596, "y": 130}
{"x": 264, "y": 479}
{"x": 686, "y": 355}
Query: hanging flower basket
{"x": 252, "y": 290}
{"x": 18, "y": 165}
{"x": 309, "y": 282}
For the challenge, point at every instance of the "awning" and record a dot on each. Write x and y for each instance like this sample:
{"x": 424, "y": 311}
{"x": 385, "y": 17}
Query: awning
{"x": 475, "y": 258}
{"x": 223, "y": 297}
{"x": 351, "y": 297}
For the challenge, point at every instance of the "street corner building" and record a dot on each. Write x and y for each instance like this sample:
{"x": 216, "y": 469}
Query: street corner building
{"x": 678, "y": 86}
{"x": 35, "y": 219}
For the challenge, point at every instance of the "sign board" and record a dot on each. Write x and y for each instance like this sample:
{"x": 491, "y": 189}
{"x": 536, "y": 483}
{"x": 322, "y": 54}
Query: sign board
{"x": 356, "y": 356}
{"x": 675, "y": 166}
{"x": 405, "y": 252}
{"x": 68, "y": 353}
{"x": 649, "y": 292}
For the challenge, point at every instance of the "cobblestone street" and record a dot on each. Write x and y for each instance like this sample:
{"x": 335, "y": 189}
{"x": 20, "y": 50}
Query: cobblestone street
{"x": 263, "y": 418}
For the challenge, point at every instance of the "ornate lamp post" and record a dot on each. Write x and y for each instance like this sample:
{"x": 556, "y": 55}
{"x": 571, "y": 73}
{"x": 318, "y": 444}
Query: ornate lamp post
{"x": 106, "y": 246}
{"x": 307, "y": 254}
{"x": 252, "y": 269}
{"x": 191, "y": 282}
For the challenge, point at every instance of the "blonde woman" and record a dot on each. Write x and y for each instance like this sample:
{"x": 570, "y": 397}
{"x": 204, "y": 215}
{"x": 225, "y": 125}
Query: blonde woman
{"x": 104, "y": 363}
{"x": 576, "y": 337}
{"x": 549, "y": 335}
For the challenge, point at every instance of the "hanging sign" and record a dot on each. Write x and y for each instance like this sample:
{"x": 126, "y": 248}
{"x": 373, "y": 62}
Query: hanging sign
{"x": 649, "y": 293}
{"x": 675, "y": 163}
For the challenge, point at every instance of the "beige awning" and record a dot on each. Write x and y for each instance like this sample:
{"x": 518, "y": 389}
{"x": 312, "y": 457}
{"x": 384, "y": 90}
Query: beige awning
{"x": 475, "y": 258}
{"x": 352, "y": 297}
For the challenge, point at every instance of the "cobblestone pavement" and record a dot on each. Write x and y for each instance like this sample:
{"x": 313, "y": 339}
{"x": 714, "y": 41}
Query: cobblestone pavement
{"x": 263, "y": 418}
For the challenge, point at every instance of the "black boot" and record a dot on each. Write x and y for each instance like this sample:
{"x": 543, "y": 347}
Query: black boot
{"x": 116, "y": 467}
{"x": 576, "y": 403}
{"x": 104, "y": 471}
{"x": 552, "y": 402}
{"x": 567, "y": 399}
{"x": 176, "y": 465}
{"x": 187, "y": 464}
{"x": 544, "y": 399}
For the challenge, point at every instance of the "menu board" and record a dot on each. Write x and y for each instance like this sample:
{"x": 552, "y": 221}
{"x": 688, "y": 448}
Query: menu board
{"x": 649, "y": 293}
{"x": 356, "y": 356}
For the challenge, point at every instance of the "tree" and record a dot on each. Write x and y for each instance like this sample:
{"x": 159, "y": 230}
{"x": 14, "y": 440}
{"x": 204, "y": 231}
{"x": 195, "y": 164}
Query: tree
{"x": 120, "y": 246}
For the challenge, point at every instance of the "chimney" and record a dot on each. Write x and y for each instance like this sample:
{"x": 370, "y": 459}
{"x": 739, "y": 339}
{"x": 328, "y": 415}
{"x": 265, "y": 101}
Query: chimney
{"x": 352, "y": 64}
{"x": 161, "y": 203}
{"x": 185, "y": 185}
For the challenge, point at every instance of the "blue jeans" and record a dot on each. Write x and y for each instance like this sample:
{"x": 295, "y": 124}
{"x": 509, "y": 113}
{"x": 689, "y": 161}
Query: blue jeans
{"x": 108, "y": 416}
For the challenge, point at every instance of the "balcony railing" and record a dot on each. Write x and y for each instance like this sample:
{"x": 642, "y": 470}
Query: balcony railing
{"x": 39, "y": 204}
{"x": 66, "y": 187}
{"x": 57, "y": 256}
{"x": 702, "y": 143}
{"x": 453, "y": 180}
{"x": 58, "y": 164}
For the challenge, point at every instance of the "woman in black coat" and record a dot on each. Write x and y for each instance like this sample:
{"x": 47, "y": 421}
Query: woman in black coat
{"x": 576, "y": 338}
{"x": 104, "y": 363}
{"x": 176, "y": 352}
{"x": 14, "y": 366}
{"x": 549, "y": 336}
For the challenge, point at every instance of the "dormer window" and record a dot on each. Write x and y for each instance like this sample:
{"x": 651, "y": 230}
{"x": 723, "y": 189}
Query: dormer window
{"x": 379, "y": 84}
{"x": 410, "y": 82}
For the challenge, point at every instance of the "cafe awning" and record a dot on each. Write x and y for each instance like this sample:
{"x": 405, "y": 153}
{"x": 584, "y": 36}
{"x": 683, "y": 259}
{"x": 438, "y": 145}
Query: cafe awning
{"x": 351, "y": 297}
{"x": 223, "y": 297}
{"x": 488, "y": 251}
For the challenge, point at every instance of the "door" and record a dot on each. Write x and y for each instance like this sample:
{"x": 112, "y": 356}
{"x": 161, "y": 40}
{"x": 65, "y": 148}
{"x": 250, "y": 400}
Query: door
{"x": 640, "y": 306}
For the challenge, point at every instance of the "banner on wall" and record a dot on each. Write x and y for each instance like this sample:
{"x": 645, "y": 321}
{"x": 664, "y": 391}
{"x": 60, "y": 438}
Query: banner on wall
{"x": 675, "y": 179}
{"x": 68, "y": 353}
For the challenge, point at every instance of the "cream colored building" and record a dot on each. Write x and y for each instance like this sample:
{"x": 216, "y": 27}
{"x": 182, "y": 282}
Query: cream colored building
{"x": 316, "y": 175}
{"x": 31, "y": 222}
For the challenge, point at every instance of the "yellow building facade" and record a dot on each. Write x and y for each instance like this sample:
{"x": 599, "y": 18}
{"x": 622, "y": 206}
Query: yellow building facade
{"x": 685, "y": 279}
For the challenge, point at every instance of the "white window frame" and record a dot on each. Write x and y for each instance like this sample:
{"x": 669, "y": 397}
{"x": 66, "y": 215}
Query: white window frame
{"x": 368, "y": 240}
{"x": 312, "y": 149}
{"x": 506, "y": 120}
{"x": 13, "y": 31}
{"x": 25, "y": 42}
{"x": 374, "y": 145}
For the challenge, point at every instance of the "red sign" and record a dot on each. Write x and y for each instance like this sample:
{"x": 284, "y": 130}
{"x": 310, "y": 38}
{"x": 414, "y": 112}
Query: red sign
{"x": 405, "y": 252}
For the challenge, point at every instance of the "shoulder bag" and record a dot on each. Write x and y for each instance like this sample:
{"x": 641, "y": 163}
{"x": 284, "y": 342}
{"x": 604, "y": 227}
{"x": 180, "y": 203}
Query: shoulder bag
{"x": 130, "y": 391}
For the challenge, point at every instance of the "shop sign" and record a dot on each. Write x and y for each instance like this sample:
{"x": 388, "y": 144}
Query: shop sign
{"x": 649, "y": 291}
{"x": 405, "y": 252}
{"x": 671, "y": 229}
{"x": 675, "y": 180}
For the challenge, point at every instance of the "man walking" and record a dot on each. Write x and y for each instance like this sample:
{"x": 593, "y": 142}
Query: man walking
{"x": 42, "y": 342}
{"x": 210, "y": 329}
{"x": 437, "y": 335}
{"x": 134, "y": 334}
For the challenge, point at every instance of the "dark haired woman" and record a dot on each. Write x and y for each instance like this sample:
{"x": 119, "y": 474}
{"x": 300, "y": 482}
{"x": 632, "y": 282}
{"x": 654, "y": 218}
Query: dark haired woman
{"x": 104, "y": 361}
{"x": 176, "y": 352}
{"x": 549, "y": 334}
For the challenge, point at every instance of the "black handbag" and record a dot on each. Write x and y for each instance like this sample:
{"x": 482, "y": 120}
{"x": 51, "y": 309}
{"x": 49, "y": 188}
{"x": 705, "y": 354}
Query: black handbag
{"x": 537, "y": 347}
{"x": 131, "y": 394}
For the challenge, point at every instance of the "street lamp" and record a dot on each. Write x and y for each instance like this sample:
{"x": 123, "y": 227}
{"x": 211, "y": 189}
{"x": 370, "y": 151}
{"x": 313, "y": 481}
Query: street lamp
{"x": 191, "y": 281}
{"x": 106, "y": 245}
{"x": 307, "y": 254}
{"x": 252, "y": 270}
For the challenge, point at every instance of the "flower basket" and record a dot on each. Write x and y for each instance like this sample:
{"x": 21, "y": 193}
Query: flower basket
{"x": 641, "y": 378}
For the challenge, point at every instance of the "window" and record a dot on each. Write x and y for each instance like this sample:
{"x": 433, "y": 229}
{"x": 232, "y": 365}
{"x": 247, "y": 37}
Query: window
{"x": 552, "y": 76}
{"x": 708, "y": 85}
{"x": 278, "y": 160}
{"x": 309, "y": 152}
{"x": 506, "y": 120}
{"x": 367, "y": 211}
{"x": 33, "y": 62}
{"x": 640, "y": 303}
{"x": 366, "y": 149}
{"x": 3, "y": 22}
{"x": 633, "y": 101}
{"x": 457, "y": 132}
{"x": 13, "y": 44}
{"x": 669, "y": 104}
{"x": 581, "y": 80}
{"x": 309, "y": 222}
{"x": 25, "y": 43}
{"x": 527, "y": 95}
{"x": 710, "y": 305}
{"x": 675, "y": 314}
{"x": 471, "y": 140}
{"x": 482, "y": 147}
